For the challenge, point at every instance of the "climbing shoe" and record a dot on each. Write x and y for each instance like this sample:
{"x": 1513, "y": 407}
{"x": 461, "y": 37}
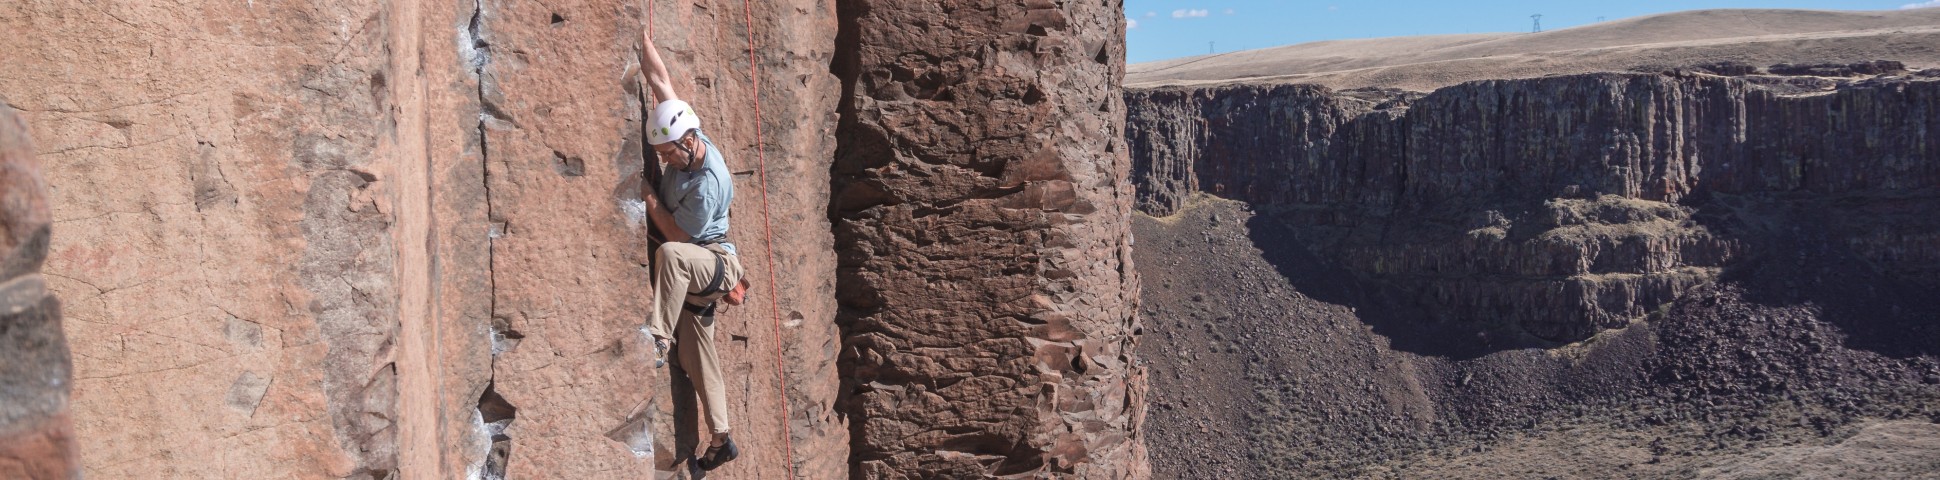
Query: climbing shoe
{"x": 719, "y": 454}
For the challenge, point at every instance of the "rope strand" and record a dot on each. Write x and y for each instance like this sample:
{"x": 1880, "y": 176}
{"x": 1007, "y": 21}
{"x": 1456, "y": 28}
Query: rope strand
{"x": 774, "y": 294}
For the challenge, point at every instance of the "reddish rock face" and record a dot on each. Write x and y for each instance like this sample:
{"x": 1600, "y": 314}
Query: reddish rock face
{"x": 562, "y": 150}
{"x": 342, "y": 238}
{"x": 36, "y": 434}
{"x": 981, "y": 219}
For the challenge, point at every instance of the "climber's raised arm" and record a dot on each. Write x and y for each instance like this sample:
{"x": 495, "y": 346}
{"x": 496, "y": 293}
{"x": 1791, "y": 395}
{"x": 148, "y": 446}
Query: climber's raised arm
{"x": 655, "y": 70}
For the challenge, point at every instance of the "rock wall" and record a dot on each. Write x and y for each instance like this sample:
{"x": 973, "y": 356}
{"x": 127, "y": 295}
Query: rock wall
{"x": 987, "y": 296}
{"x": 348, "y": 239}
{"x": 225, "y": 220}
{"x": 36, "y": 371}
{"x": 1559, "y": 206}
{"x": 562, "y": 152}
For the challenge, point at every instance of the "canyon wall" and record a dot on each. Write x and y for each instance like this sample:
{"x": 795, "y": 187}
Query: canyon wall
{"x": 981, "y": 211}
{"x": 1554, "y": 208}
{"x": 1622, "y": 274}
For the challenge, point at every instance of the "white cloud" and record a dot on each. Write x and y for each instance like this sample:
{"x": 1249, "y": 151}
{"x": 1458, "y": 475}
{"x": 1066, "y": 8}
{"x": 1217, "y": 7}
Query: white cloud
{"x": 1190, "y": 13}
{"x": 1151, "y": 14}
{"x": 1230, "y": 11}
{"x": 1130, "y": 23}
{"x": 1336, "y": 8}
{"x": 1927, "y": 4}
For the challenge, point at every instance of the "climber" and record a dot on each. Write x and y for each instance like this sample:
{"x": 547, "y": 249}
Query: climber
{"x": 696, "y": 266}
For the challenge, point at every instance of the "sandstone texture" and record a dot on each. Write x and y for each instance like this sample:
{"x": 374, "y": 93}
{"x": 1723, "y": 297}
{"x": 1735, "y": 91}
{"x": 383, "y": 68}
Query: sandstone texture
{"x": 986, "y": 291}
{"x": 36, "y": 371}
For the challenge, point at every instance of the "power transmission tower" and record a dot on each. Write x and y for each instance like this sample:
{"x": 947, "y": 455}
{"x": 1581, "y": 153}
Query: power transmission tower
{"x": 1539, "y": 23}
{"x": 1209, "y": 48}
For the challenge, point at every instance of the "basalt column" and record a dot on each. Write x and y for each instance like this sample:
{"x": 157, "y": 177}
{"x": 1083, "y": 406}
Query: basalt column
{"x": 981, "y": 212}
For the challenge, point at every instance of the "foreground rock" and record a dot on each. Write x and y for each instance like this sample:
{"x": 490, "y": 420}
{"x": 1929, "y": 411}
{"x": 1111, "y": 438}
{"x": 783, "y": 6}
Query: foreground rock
{"x": 354, "y": 239}
{"x": 36, "y": 430}
{"x": 357, "y": 239}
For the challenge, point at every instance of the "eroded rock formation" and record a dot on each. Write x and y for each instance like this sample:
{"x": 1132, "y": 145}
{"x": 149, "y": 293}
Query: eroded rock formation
{"x": 1559, "y": 206}
{"x": 981, "y": 220}
{"x": 1611, "y": 275}
{"x": 36, "y": 428}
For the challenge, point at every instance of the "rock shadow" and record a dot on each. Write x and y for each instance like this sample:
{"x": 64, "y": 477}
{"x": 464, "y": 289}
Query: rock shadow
{"x": 1868, "y": 264}
{"x": 1389, "y": 310}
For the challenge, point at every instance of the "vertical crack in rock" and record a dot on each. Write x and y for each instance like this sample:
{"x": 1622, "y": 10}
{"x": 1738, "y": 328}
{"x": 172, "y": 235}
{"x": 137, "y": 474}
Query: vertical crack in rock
{"x": 495, "y": 414}
{"x": 844, "y": 66}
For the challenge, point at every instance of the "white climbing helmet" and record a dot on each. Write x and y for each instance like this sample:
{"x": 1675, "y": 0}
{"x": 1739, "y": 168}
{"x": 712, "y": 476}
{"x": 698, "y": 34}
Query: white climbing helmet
{"x": 672, "y": 119}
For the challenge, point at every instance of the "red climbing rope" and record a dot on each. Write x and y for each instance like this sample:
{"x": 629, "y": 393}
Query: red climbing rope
{"x": 768, "y": 231}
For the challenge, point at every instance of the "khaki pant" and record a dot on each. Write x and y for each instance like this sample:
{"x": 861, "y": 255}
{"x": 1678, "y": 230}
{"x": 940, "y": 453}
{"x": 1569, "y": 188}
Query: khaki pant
{"x": 681, "y": 269}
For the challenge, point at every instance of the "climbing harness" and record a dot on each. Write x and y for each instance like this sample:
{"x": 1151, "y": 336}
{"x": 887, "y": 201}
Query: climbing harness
{"x": 708, "y": 297}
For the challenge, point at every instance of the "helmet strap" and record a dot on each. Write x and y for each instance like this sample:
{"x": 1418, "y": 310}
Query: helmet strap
{"x": 692, "y": 160}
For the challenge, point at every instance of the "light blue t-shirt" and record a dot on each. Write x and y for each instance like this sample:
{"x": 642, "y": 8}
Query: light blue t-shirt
{"x": 699, "y": 200}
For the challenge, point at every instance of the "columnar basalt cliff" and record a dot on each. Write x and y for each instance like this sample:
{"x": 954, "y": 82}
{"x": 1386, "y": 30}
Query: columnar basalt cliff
{"x": 981, "y": 219}
{"x": 1476, "y": 281}
{"x": 36, "y": 428}
{"x": 1562, "y": 206}
{"x": 353, "y": 239}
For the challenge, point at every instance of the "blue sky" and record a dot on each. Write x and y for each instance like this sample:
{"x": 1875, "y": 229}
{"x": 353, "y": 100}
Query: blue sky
{"x": 1176, "y": 28}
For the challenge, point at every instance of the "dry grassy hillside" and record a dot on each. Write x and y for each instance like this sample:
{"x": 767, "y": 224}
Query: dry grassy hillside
{"x": 1757, "y": 37}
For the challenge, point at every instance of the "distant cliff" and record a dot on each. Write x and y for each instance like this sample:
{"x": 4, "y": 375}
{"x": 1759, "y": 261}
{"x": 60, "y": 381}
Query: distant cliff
{"x": 1556, "y": 207}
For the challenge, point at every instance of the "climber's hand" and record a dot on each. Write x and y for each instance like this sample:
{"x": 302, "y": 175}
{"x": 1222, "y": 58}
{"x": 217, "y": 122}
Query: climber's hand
{"x": 649, "y": 195}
